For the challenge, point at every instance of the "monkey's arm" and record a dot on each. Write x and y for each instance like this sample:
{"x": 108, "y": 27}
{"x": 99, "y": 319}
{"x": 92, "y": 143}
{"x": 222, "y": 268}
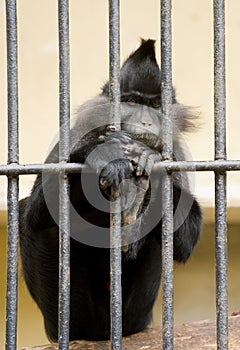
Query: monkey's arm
{"x": 106, "y": 158}
{"x": 187, "y": 223}
{"x": 187, "y": 212}
{"x": 34, "y": 212}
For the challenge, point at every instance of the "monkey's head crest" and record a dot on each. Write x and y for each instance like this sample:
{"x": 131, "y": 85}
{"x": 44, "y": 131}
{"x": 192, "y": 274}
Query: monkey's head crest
{"x": 140, "y": 72}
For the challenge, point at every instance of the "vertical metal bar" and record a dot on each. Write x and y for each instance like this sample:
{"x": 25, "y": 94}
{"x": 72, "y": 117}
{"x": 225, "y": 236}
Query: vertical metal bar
{"x": 115, "y": 215}
{"x": 220, "y": 178}
{"x": 12, "y": 74}
{"x": 115, "y": 273}
{"x": 167, "y": 198}
{"x": 12, "y": 265}
{"x": 221, "y": 262}
{"x": 114, "y": 58}
{"x": 64, "y": 211}
{"x": 12, "y": 259}
{"x": 166, "y": 68}
{"x": 219, "y": 79}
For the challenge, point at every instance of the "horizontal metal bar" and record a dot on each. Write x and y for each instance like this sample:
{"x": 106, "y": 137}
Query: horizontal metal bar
{"x": 208, "y": 165}
{"x": 31, "y": 169}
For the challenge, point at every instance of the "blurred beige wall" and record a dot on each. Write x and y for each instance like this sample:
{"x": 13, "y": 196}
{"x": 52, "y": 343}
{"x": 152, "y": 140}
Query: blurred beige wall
{"x": 192, "y": 72}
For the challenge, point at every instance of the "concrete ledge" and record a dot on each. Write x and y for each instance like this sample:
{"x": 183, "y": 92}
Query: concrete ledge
{"x": 195, "y": 336}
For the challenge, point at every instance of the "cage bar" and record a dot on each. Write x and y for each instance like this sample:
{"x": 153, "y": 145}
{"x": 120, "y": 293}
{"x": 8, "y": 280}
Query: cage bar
{"x": 64, "y": 211}
{"x": 12, "y": 265}
{"x": 115, "y": 207}
{"x": 220, "y": 178}
{"x": 208, "y": 165}
{"x": 114, "y": 62}
{"x": 220, "y": 165}
{"x": 167, "y": 192}
{"x": 13, "y": 189}
{"x": 221, "y": 262}
{"x": 115, "y": 275}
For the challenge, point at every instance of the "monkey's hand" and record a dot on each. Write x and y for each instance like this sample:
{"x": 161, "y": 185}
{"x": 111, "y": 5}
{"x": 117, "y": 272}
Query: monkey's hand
{"x": 109, "y": 162}
{"x": 112, "y": 176}
{"x": 121, "y": 137}
{"x": 137, "y": 189}
{"x": 134, "y": 190}
{"x": 142, "y": 157}
{"x": 137, "y": 159}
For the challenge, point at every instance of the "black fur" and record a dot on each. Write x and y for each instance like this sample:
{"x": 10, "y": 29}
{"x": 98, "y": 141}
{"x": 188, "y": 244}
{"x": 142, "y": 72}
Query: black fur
{"x": 89, "y": 266}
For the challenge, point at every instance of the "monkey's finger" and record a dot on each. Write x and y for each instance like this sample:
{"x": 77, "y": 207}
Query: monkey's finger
{"x": 131, "y": 167}
{"x": 134, "y": 160}
{"x": 114, "y": 193}
{"x": 101, "y": 138}
{"x": 142, "y": 162}
{"x": 150, "y": 163}
{"x": 106, "y": 179}
{"x": 131, "y": 155}
{"x": 134, "y": 148}
{"x": 152, "y": 159}
{"x": 119, "y": 135}
{"x": 128, "y": 147}
{"x": 130, "y": 214}
{"x": 111, "y": 128}
{"x": 126, "y": 139}
{"x": 104, "y": 184}
{"x": 139, "y": 170}
{"x": 142, "y": 184}
{"x": 114, "y": 141}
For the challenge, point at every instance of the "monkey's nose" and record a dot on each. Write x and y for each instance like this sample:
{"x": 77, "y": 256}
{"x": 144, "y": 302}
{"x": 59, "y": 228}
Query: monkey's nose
{"x": 146, "y": 123}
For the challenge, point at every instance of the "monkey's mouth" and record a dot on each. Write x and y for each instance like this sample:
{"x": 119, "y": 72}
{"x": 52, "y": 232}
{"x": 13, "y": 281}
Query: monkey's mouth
{"x": 147, "y": 138}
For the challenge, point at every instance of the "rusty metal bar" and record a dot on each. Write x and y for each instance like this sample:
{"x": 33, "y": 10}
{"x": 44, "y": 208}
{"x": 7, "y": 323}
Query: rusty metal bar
{"x": 115, "y": 207}
{"x": 167, "y": 192}
{"x": 13, "y": 187}
{"x": 114, "y": 62}
{"x": 64, "y": 211}
{"x": 220, "y": 178}
{"x": 208, "y": 165}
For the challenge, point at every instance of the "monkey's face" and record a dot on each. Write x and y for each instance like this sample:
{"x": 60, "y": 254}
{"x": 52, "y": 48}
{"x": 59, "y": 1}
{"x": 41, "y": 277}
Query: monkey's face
{"x": 141, "y": 121}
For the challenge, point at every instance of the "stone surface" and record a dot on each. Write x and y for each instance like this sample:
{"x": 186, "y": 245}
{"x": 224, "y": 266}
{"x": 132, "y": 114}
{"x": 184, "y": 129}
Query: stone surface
{"x": 194, "y": 336}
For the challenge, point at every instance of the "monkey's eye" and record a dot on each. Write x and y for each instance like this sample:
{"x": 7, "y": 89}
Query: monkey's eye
{"x": 156, "y": 103}
{"x": 131, "y": 102}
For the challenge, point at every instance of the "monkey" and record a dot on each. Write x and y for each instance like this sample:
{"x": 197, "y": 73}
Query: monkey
{"x": 121, "y": 163}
